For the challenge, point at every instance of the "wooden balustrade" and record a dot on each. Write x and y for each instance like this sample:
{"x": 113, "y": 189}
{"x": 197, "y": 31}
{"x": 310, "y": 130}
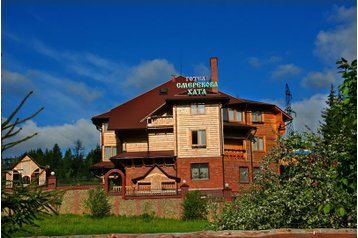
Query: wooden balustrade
{"x": 234, "y": 154}
{"x": 155, "y": 121}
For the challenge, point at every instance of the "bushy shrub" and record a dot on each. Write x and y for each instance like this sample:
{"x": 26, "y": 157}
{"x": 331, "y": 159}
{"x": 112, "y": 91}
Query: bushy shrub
{"x": 97, "y": 203}
{"x": 194, "y": 206}
{"x": 303, "y": 196}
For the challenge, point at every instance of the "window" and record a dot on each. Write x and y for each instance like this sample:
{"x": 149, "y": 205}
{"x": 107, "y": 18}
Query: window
{"x": 198, "y": 138}
{"x": 225, "y": 114}
{"x": 238, "y": 116}
{"x": 198, "y": 108}
{"x": 200, "y": 171}
{"x": 232, "y": 114}
{"x": 256, "y": 116}
{"x": 258, "y": 144}
{"x": 110, "y": 151}
{"x": 244, "y": 174}
{"x": 163, "y": 91}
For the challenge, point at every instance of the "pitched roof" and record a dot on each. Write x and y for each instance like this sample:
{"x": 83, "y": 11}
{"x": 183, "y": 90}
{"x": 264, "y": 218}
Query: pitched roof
{"x": 103, "y": 164}
{"x": 22, "y": 157}
{"x": 135, "y": 180}
{"x": 132, "y": 114}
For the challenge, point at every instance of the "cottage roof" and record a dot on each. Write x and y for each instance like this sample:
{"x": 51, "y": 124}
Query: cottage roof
{"x": 132, "y": 114}
{"x": 22, "y": 158}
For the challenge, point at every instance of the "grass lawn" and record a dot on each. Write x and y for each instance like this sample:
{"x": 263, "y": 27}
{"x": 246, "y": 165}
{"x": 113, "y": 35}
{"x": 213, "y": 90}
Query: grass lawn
{"x": 85, "y": 225}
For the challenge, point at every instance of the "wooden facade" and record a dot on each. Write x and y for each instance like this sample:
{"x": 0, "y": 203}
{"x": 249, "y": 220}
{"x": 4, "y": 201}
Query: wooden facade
{"x": 26, "y": 171}
{"x": 167, "y": 137}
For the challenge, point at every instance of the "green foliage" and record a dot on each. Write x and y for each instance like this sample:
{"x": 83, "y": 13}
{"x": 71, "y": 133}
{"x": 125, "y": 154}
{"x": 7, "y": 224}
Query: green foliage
{"x": 68, "y": 224}
{"x": 194, "y": 206}
{"x": 24, "y": 205}
{"x": 315, "y": 189}
{"x": 340, "y": 130}
{"x": 304, "y": 196}
{"x": 97, "y": 203}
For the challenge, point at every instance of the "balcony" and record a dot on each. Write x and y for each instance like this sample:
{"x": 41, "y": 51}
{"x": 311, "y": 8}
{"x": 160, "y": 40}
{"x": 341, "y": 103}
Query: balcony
{"x": 160, "y": 121}
{"x": 234, "y": 154}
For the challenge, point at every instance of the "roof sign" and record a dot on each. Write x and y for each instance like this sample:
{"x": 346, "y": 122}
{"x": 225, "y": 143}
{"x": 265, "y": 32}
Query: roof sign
{"x": 197, "y": 85}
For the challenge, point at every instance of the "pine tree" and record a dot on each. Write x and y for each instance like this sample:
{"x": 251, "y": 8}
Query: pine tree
{"x": 93, "y": 157}
{"x": 67, "y": 171}
{"x": 331, "y": 118}
{"x": 78, "y": 156}
{"x": 56, "y": 158}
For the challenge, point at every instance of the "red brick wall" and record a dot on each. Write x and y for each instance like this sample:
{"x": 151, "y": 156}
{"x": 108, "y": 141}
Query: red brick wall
{"x": 232, "y": 172}
{"x": 215, "y": 172}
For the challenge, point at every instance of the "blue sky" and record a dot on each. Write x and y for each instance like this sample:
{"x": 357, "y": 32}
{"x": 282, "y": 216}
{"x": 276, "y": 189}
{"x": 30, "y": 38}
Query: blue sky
{"x": 82, "y": 59}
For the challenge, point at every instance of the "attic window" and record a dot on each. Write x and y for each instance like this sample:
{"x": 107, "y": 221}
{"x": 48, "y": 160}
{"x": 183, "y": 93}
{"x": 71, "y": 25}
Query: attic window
{"x": 163, "y": 91}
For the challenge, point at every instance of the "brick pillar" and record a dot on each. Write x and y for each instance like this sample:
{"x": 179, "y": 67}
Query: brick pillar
{"x": 184, "y": 189}
{"x": 227, "y": 194}
{"x": 52, "y": 182}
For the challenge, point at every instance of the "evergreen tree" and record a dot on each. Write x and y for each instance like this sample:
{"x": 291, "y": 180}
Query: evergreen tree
{"x": 78, "y": 157}
{"x": 56, "y": 158}
{"x": 329, "y": 127}
{"x": 67, "y": 171}
{"x": 93, "y": 157}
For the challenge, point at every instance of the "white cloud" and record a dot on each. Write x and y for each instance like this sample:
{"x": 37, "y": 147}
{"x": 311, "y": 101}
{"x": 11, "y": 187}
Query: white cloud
{"x": 148, "y": 74}
{"x": 202, "y": 70}
{"x": 340, "y": 41}
{"x": 320, "y": 79}
{"x": 285, "y": 70}
{"x": 64, "y": 135}
{"x": 16, "y": 83}
{"x": 308, "y": 112}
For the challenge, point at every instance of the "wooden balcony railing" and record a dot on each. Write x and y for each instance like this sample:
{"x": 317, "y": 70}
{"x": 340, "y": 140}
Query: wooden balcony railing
{"x": 160, "y": 121}
{"x": 147, "y": 190}
{"x": 234, "y": 154}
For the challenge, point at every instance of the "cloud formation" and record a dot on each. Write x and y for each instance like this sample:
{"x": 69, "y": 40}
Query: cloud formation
{"x": 148, "y": 74}
{"x": 340, "y": 41}
{"x": 308, "y": 112}
{"x": 322, "y": 79}
{"x": 285, "y": 71}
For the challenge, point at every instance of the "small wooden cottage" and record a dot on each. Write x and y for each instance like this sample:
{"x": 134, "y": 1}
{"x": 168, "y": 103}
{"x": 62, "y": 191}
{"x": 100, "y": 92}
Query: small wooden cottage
{"x": 25, "y": 171}
{"x": 186, "y": 131}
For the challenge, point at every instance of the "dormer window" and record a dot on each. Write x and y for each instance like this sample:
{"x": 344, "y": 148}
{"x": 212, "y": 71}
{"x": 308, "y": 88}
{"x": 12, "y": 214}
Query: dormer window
{"x": 163, "y": 91}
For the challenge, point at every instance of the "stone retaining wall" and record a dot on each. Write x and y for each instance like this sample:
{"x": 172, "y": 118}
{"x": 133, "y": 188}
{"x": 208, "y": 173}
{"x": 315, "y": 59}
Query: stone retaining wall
{"x": 74, "y": 203}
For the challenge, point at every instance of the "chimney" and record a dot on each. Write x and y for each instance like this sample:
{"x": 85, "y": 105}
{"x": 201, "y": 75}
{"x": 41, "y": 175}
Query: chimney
{"x": 214, "y": 72}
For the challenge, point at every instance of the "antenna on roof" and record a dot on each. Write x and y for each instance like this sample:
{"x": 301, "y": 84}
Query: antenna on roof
{"x": 289, "y": 110}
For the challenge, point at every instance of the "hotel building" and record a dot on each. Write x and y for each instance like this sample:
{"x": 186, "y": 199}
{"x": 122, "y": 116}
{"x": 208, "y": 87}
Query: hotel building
{"x": 185, "y": 131}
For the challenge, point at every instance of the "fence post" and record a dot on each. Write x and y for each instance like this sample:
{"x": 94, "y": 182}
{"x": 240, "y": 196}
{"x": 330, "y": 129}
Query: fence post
{"x": 52, "y": 181}
{"x": 227, "y": 193}
{"x": 184, "y": 188}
